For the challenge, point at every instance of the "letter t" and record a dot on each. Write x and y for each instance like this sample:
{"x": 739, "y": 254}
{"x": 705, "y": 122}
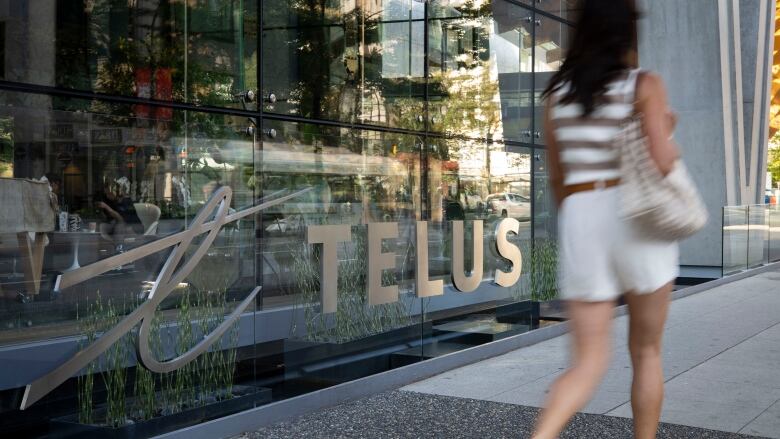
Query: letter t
{"x": 328, "y": 236}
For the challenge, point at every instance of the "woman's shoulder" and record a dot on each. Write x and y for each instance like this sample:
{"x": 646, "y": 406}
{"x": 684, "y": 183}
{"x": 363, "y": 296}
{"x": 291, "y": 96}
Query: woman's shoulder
{"x": 649, "y": 83}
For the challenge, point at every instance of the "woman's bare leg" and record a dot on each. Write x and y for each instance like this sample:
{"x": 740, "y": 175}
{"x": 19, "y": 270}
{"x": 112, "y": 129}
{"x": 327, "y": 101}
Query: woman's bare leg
{"x": 648, "y": 314}
{"x": 591, "y": 325}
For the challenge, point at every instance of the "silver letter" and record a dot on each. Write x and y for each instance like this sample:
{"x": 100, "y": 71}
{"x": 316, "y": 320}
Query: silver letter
{"x": 425, "y": 287}
{"x": 509, "y": 251}
{"x": 328, "y": 236}
{"x": 460, "y": 281}
{"x": 378, "y": 262}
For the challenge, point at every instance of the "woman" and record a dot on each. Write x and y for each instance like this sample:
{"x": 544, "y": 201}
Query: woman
{"x": 602, "y": 256}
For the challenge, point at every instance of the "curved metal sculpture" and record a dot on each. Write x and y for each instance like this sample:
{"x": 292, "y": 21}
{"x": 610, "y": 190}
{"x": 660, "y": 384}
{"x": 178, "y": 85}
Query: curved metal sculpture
{"x": 210, "y": 220}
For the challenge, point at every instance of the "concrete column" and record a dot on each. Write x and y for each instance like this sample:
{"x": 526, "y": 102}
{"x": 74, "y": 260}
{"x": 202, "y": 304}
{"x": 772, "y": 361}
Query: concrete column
{"x": 715, "y": 57}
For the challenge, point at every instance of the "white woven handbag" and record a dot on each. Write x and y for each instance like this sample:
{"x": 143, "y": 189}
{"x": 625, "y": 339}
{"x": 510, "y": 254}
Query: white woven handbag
{"x": 666, "y": 207}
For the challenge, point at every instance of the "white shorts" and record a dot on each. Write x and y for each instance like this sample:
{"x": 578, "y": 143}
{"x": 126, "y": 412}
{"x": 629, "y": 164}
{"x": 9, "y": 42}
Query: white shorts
{"x": 602, "y": 256}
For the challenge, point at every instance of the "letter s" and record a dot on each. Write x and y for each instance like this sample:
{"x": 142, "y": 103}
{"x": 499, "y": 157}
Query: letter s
{"x": 509, "y": 251}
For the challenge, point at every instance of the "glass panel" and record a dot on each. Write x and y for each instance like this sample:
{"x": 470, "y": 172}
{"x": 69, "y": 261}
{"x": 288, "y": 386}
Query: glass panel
{"x": 480, "y": 73}
{"x": 202, "y": 52}
{"x": 512, "y": 52}
{"x": 758, "y": 236}
{"x": 566, "y": 9}
{"x": 469, "y": 181}
{"x": 345, "y": 63}
{"x": 354, "y": 178}
{"x": 550, "y": 44}
{"x": 457, "y": 8}
{"x": 773, "y": 221}
{"x": 119, "y": 183}
{"x": 735, "y": 239}
{"x": 545, "y": 219}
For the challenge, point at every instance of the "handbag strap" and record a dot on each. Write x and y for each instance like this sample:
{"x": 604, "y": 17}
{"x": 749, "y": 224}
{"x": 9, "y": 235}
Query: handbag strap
{"x": 630, "y": 87}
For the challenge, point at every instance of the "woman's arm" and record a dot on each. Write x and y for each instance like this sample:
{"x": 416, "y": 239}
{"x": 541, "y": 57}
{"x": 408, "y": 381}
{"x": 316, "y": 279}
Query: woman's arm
{"x": 110, "y": 212}
{"x": 555, "y": 173}
{"x": 658, "y": 121}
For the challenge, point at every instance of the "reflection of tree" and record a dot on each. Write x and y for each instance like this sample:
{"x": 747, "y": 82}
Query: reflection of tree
{"x": 179, "y": 50}
{"x": 6, "y": 147}
{"x": 315, "y": 43}
{"x": 470, "y": 104}
{"x": 98, "y": 50}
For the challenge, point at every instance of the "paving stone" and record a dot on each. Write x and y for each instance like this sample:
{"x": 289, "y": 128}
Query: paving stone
{"x": 766, "y": 424}
{"x": 704, "y": 414}
{"x": 715, "y": 371}
{"x": 690, "y": 386}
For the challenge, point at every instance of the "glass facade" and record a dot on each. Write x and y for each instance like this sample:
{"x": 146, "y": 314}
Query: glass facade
{"x": 354, "y": 112}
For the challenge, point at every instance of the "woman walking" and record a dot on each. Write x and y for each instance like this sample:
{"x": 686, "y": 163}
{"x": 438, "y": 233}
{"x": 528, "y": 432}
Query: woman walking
{"x": 602, "y": 256}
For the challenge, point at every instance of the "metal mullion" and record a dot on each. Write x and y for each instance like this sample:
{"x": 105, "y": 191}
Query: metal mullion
{"x": 540, "y": 12}
{"x": 533, "y": 127}
{"x": 117, "y": 99}
{"x": 183, "y": 106}
{"x": 424, "y": 150}
{"x": 259, "y": 133}
{"x": 311, "y": 26}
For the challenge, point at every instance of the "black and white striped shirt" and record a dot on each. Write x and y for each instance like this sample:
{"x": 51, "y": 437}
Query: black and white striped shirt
{"x": 585, "y": 143}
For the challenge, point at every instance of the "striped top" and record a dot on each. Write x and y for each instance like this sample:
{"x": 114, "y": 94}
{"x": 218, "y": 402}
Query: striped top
{"x": 585, "y": 143}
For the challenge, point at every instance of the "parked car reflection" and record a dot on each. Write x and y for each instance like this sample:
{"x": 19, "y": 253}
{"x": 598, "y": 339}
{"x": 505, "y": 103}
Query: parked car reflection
{"x": 509, "y": 205}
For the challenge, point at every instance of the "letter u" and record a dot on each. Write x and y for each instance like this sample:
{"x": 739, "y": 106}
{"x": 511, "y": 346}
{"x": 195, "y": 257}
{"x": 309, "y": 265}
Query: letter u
{"x": 460, "y": 281}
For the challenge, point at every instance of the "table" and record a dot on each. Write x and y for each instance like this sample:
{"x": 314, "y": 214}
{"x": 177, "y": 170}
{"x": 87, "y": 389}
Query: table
{"x": 74, "y": 240}
{"x": 31, "y": 217}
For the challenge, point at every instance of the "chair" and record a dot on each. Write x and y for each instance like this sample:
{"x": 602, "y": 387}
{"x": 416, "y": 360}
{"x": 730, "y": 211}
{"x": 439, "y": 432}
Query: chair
{"x": 149, "y": 214}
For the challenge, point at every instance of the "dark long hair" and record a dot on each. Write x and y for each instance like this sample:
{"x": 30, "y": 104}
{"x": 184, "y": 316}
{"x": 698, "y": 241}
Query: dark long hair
{"x": 605, "y": 33}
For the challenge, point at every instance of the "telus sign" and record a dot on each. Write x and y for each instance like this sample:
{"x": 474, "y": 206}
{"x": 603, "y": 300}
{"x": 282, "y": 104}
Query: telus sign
{"x": 209, "y": 221}
{"x": 330, "y": 236}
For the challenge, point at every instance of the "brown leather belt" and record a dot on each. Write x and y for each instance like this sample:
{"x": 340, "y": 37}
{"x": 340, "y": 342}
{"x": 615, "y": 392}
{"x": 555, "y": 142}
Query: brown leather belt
{"x": 590, "y": 186}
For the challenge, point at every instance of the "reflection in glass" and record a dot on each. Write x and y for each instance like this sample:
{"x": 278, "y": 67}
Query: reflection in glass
{"x": 354, "y": 62}
{"x": 480, "y": 184}
{"x": 470, "y": 181}
{"x": 512, "y": 47}
{"x": 735, "y": 239}
{"x": 566, "y": 9}
{"x": 545, "y": 219}
{"x": 119, "y": 182}
{"x": 197, "y": 52}
{"x": 128, "y": 175}
{"x": 758, "y": 236}
{"x": 773, "y": 223}
{"x": 355, "y": 180}
{"x": 552, "y": 38}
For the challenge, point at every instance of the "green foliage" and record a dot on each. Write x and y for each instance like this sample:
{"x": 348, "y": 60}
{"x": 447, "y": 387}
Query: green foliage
{"x": 114, "y": 372}
{"x": 6, "y": 145}
{"x": 207, "y": 379}
{"x": 540, "y": 271}
{"x": 90, "y": 325}
{"x": 354, "y": 317}
{"x": 773, "y": 164}
{"x": 100, "y": 316}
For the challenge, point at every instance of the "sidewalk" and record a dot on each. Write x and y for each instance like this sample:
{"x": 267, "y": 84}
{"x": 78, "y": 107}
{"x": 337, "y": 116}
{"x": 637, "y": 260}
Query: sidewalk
{"x": 722, "y": 365}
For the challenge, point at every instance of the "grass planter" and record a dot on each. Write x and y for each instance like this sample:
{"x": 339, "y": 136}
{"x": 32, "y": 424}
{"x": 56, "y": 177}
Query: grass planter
{"x": 245, "y": 397}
